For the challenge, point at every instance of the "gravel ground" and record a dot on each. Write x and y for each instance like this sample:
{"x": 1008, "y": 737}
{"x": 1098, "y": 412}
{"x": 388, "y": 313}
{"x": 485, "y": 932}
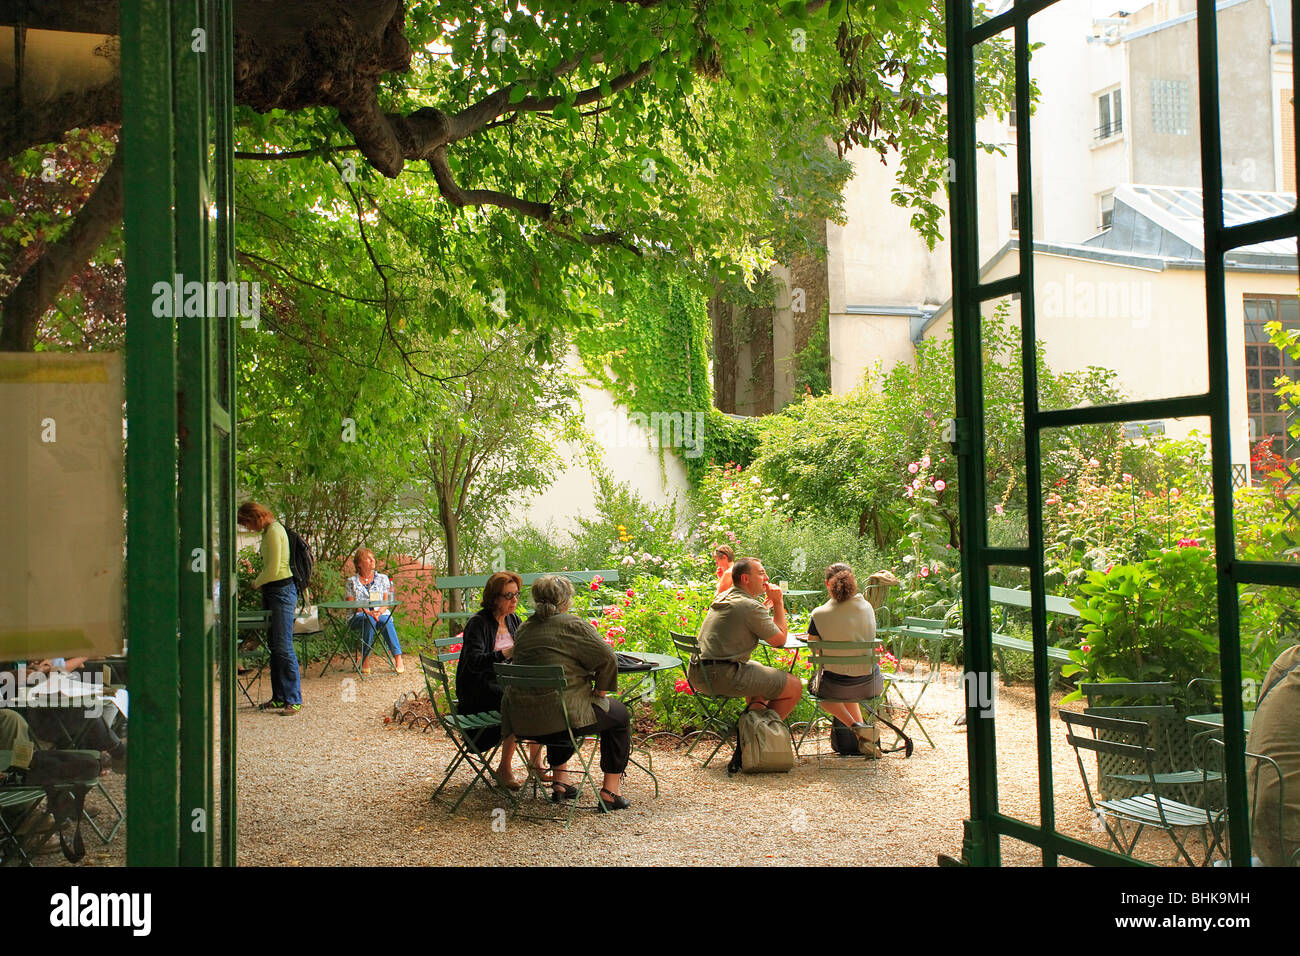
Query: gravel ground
{"x": 336, "y": 786}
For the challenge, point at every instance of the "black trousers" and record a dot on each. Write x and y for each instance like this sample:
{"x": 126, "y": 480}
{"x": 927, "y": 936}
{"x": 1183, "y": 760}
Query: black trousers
{"x": 615, "y": 730}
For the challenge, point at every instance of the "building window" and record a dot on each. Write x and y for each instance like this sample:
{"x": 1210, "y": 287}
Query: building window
{"x": 1264, "y": 364}
{"x": 1110, "y": 115}
{"x": 1171, "y": 107}
{"x": 1011, "y": 112}
{"x": 1015, "y": 212}
{"x": 1106, "y": 205}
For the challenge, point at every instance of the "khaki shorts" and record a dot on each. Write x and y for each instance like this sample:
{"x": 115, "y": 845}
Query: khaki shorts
{"x": 738, "y": 679}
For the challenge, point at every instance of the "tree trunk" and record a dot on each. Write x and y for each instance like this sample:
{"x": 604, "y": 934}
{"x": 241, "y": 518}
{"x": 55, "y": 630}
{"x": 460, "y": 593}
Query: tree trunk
{"x": 451, "y": 535}
{"x": 40, "y": 286}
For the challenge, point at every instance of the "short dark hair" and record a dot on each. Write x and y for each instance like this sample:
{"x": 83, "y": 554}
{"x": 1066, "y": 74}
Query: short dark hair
{"x": 742, "y": 567}
{"x": 495, "y": 585}
{"x": 725, "y": 551}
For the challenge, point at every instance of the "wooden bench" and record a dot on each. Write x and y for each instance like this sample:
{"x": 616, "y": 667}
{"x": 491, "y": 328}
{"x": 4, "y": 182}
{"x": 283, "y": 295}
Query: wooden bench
{"x": 1055, "y": 604}
{"x": 466, "y": 582}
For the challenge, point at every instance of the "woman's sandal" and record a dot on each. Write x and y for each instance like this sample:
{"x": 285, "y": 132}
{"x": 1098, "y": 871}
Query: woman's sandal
{"x": 618, "y": 803}
{"x": 563, "y": 791}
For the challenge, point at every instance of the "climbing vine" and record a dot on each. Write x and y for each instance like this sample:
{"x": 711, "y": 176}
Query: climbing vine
{"x": 651, "y": 351}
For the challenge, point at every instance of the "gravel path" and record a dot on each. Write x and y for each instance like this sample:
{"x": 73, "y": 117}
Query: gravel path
{"x": 336, "y": 786}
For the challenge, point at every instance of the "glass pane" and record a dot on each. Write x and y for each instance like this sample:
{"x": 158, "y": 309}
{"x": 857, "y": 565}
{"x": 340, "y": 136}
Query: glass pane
{"x": 1120, "y": 310}
{"x": 1129, "y": 524}
{"x": 996, "y": 184}
{"x": 1256, "y": 118}
{"x": 1007, "y": 697}
{"x": 1004, "y": 416}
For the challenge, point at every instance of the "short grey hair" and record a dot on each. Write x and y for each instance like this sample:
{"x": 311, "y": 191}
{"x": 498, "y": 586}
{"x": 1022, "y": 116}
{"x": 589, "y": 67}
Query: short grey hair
{"x": 552, "y": 594}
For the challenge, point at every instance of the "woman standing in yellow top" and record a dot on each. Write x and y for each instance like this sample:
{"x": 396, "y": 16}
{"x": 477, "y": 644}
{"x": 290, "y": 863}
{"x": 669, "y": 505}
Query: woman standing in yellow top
{"x": 280, "y": 597}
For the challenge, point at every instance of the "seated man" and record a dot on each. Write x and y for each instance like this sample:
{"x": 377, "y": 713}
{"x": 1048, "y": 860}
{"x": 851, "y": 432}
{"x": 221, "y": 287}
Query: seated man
{"x": 736, "y": 622}
{"x": 1276, "y": 733}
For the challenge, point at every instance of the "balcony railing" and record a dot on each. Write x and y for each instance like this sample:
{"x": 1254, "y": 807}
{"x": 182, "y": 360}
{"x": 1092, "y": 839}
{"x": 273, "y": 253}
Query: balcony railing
{"x": 1107, "y": 130}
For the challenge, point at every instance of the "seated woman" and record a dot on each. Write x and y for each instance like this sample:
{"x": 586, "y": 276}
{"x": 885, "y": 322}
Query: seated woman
{"x": 846, "y": 617}
{"x": 369, "y": 585}
{"x": 489, "y": 639}
{"x": 553, "y": 636}
{"x": 724, "y": 558}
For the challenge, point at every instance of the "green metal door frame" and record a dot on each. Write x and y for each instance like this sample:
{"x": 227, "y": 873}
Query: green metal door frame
{"x": 986, "y": 824}
{"x": 177, "y": 86}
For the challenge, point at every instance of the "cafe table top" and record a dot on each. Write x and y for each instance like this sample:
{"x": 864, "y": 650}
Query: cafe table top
{"x": 354, "y": 605}
{"x": 662, "y": 662}
{"x": 1216, "y": 720}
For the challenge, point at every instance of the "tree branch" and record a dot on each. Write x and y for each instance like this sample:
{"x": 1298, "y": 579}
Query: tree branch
{"x": 41, "y": 284}
{"x": 480, "y": 197}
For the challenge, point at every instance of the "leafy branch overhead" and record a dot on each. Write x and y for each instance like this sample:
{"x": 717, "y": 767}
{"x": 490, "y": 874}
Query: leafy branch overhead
{"x": 625, "y": 131}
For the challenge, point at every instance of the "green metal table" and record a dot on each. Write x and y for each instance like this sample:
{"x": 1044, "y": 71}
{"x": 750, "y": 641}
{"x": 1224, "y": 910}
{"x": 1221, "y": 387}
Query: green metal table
{"x": 636, "y": 689}
{"x": 1215, "y": 721}
{"x": 256, "y": 622}
{"x": 341, "y": 627}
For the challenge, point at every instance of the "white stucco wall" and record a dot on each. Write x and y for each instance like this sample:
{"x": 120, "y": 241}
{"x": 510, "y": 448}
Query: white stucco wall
{"x": 627, "y": 453}
{"x": 1146, "y": 325}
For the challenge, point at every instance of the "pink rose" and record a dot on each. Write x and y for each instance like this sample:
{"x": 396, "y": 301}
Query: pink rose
{"x": 913, "y": 468}
{"x": 1086, "y": 648}
{"x": 940, "y": 485}
{"x": 925, "y": 572}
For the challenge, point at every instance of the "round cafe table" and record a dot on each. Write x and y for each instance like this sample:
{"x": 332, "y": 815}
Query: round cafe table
{"x": 637, "y": 688}
{"x": 340, "y": 627}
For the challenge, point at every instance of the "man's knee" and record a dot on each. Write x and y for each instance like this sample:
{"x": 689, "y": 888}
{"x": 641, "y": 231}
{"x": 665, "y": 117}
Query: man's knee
{"x": 793, "y": 687}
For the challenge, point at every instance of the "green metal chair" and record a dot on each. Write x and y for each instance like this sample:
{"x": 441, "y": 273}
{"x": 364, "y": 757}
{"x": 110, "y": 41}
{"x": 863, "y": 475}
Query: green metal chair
{"x": 1172, "y": 764}
{"x": 1127, "y": 739}
{"x": 926, "y": 632}
{"x": 524, "y": 677}
{"x": 1264, "y": 817}
{"x": 461, "y": 729}
{"x": 712, "y": 709}
{"x": 21, "y": 802}
{"x": 865, "y": 655}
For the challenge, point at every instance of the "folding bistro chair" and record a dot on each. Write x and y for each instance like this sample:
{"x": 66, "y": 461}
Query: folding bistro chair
{"x": 539, "y": 679}
{"x": 1162, "y": 721}
{"x": 1268, "y": 806}
{"x": 865, "y": 654}
{"x": 461, "y": 729}
{"x": 1127, "y": 739}
{"x": 712, "y": 710}
{"x": 21, "y": 802}
{"x": 18, "y": 805}
{"x": 255, "y": 660}
{"x": 927, "y": 632}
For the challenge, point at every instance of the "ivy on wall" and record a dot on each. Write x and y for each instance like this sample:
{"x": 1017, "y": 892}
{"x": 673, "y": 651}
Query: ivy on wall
{"x": 651, "y": 352}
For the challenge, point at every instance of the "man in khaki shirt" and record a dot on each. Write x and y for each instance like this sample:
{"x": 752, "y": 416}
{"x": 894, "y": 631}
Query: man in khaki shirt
{"x": 736, "y": 622}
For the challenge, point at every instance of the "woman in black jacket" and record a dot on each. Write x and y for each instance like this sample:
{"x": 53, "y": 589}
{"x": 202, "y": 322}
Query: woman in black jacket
{"x": 489, "y": 639}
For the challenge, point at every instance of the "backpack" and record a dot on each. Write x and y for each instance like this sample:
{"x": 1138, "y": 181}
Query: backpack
{"x": 67, "y": 776}
{"x": 763, "y": 743}
{"x": 844, "y": 741}
{"x": 301, "y": 561}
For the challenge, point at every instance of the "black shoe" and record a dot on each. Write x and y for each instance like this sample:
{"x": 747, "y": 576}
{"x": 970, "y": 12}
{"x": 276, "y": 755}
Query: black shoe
{"x": 563, "y": 791}
{"x": 618, "y": 803}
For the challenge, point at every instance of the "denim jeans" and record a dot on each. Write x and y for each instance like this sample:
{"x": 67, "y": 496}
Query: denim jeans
{"x": 367, "y": 625}
{"x": 280, "y": 598}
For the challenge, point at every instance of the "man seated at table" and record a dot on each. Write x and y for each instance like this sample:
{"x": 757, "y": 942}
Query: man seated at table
{"x": 1275, "y": 733}
{"x": 737, "y": 621}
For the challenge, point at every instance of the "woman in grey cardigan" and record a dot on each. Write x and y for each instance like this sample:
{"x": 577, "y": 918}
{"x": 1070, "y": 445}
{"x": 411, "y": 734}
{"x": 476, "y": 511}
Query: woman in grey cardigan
{"x": 551, "y": 637}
